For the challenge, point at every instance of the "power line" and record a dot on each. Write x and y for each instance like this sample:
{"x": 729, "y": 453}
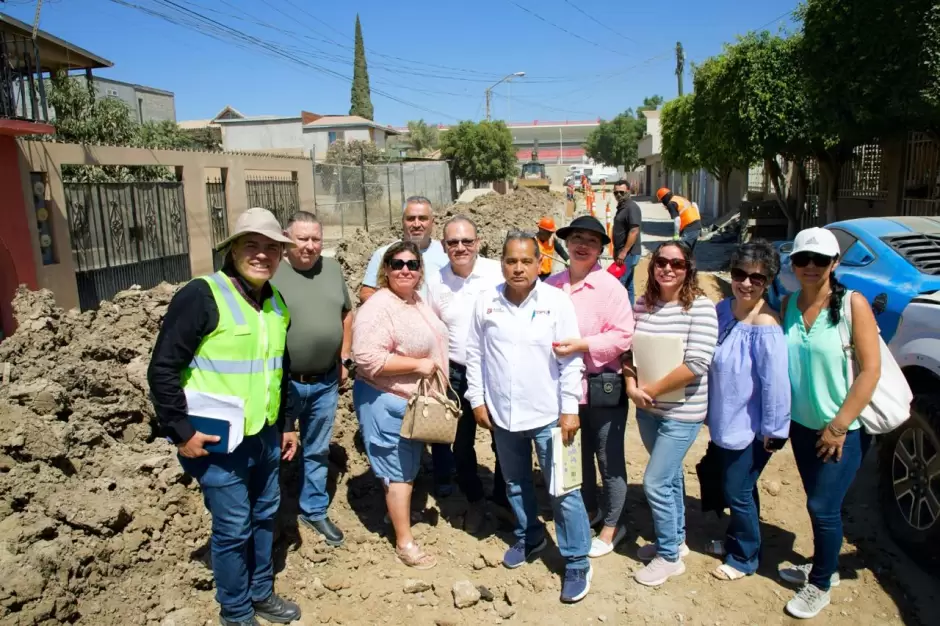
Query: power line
{"x": 596, "y": 21}
{"x": 564, "y": 30}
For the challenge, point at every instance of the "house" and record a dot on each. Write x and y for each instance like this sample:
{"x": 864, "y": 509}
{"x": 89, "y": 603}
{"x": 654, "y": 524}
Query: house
{"x": 303, "y": 134}
{"x": 27, "y": 239}
{"x": 228, "y": 113}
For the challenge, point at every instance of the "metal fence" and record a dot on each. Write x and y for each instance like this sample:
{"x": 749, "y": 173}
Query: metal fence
{"x": 809, "y": 214}
{"x": 218, "y": 216}
{"x": 126, "y": 234}
{"x": 278, "y": 195}
{"x": 371, "y": 196}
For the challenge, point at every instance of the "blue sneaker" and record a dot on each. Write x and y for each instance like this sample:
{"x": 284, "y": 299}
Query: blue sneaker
{"x": 577, "y": 584}
{"x": 520, "y": 553}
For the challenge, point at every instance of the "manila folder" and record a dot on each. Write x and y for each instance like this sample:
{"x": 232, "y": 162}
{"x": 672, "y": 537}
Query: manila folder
{"x": 654, "y": 356}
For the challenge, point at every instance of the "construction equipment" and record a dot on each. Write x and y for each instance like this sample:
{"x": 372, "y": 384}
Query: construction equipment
{"x": 533, "y": 173}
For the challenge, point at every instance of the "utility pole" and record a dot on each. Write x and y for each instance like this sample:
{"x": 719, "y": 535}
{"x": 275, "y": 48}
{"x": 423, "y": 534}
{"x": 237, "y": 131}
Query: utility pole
{"x": 680, "y": 64}
{"x": 489, "y": 90}
{"x": 488, "y": 105}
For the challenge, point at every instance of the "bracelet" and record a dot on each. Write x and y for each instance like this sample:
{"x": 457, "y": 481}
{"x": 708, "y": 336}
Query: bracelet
{"x": 838, "y": 432}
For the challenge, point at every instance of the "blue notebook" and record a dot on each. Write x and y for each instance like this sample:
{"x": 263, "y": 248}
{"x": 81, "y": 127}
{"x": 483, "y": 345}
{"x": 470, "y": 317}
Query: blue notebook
{"x": 213, "y": 426}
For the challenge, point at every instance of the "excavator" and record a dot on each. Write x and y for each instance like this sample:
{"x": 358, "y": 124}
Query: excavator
{"x": 533, "y": 173}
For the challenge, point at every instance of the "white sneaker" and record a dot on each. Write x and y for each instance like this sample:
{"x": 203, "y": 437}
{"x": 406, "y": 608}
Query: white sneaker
{"x": 808, "y": 602}
{"x": 659, "y": 571}
{"x": 799, "y": 575}
{"x": 648, "y": 552}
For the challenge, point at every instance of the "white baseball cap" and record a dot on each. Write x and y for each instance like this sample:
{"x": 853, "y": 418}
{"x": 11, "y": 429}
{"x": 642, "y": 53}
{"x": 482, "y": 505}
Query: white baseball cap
{"x": 818, "y": 240}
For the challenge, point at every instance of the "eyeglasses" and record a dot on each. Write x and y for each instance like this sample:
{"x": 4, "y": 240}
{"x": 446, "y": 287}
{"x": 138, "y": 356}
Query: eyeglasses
{"x": 453, "y": 243}
{"x": 739, "y": 276}
{"x": 620, "y": 193}
{"x": 802, "y": 259}
{"x": 676, "y": 264}
{"x": 399, "y": 264}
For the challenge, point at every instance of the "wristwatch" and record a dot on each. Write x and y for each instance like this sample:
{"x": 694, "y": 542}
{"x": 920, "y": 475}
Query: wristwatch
{"x": 350, "y": 366}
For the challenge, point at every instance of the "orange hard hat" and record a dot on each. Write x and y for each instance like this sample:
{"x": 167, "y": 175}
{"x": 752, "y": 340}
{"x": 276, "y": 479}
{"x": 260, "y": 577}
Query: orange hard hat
{"x": 662, "y": 193}
{"x": 547, "y": 223}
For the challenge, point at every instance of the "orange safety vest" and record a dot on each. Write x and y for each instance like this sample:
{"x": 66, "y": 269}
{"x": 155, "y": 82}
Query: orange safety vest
{"x": 546, "y": 248}
{"x": 687, "y": 212}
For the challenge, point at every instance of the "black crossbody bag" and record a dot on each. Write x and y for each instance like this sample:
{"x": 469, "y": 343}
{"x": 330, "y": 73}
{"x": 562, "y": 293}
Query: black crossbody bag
{"x": 606, "y": 390}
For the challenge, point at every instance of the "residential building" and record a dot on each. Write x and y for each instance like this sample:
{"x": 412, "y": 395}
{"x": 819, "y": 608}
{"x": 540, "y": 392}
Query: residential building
{"x": 228, "y": 113}
{"x": 302, "y": 134}
{"x": 146, "y": 104}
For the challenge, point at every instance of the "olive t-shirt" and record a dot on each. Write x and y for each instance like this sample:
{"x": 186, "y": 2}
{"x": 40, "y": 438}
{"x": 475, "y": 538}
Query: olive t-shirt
{"x": 316, "y": 299}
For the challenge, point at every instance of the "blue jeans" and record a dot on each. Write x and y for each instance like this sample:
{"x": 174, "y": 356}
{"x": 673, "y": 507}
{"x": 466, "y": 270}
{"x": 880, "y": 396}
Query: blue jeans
{"x": 667, "y": 442}
{"x": 630, "y": 262}
{"x": 741, "y": 469}
{"x": 242, "y": 494}
{"x": 572, "y": 526}
{"x": 314, "y": 406}
{"x": 691, "y": 234}
{"x": 826, "y": 485}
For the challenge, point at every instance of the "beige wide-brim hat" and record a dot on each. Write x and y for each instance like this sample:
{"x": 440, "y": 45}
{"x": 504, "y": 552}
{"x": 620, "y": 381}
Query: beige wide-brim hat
{"x": 260, "y": 221}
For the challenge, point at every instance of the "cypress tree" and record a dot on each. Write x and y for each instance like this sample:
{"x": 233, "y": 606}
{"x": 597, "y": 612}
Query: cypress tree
{"x": 361, "y": 98}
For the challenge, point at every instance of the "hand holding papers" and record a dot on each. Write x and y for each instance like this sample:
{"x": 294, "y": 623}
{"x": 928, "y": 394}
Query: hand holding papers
{"x": 655, "y": 356}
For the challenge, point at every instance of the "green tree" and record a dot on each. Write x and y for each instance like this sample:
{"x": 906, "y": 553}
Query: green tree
{"x": 424, "y": 138}
{"x": 678, "y": 135}
{"x": 361, "y": 97}
{"x": 615, "y": 142}
{"x": 481, "y": 152}
{"x": 82, "y": 118}
{"x": 164, "y": 135}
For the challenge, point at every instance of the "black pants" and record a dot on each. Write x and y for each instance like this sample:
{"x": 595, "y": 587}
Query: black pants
{"x": 465, "y": 455}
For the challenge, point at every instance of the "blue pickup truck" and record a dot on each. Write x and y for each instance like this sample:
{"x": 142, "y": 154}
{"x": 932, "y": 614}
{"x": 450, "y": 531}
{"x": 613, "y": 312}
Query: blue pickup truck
{"x": 895, "y": 263}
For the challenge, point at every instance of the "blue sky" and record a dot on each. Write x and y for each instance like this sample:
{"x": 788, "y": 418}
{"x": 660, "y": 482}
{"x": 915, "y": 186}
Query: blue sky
{"x": 434, "y": 59}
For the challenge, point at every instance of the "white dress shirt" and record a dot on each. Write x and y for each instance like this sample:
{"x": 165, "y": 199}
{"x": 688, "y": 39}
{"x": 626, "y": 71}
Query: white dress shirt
{"x": 453, "y": 297}
{"x": 511, "y": 365}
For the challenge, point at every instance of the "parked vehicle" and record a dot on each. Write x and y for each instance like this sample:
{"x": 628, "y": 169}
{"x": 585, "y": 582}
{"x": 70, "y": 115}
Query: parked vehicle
{"x": 895, "y": 263}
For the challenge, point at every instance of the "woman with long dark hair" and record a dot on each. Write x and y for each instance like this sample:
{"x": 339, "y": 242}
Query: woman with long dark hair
{"x": 673, "y": 306}
{"x": 827, "y": 438}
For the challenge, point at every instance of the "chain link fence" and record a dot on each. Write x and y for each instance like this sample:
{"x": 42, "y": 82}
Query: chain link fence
{"x": 371, "y": 196}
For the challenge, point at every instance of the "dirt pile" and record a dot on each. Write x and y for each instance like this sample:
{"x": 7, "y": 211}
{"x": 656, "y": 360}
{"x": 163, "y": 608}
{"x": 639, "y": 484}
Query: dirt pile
{"x": 353, "y": 253}
{"x": 497, "y": 214}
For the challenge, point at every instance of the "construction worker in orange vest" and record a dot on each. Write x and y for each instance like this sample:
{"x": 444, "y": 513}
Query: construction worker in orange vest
{"x": 684, "y": 214}
{"x": 589, "y": 196}
{"x": 550, "y": 247}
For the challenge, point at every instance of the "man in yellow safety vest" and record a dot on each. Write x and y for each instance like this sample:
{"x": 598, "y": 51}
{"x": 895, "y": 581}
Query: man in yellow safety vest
{"x": 684, "y": 214}
{"x": 218, "y": 379}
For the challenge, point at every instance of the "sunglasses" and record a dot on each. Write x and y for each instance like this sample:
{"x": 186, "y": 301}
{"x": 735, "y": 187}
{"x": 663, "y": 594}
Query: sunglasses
{"x": 453, "y": 243}
{"x": 399, "y": 264}
{"x": 802, "y": 259}
{"x": 676, "y": 264}
{"x": 620, "y": 193}
{"x": 739, "y": 276}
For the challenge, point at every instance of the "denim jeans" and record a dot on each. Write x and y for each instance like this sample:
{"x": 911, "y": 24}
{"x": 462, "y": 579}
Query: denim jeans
{"x": 465, "y": 454}
{"x": 314, "y": 407}
{"x": 826, "y": 485}
{"x": 603, "y": 431}
{"x": 630, "y": 262}
{"x": 242, "y": 494}
{"x": 690, "y": 235}
{"x": 667, "y": 441}
{"x": 741, "y": 469}
{"x": 572, "y": 526}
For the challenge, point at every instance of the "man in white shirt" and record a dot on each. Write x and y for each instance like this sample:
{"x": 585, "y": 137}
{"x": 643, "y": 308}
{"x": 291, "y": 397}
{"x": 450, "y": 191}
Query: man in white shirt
{"x": 452, "y": 292}
{"x": 519, "y": 388}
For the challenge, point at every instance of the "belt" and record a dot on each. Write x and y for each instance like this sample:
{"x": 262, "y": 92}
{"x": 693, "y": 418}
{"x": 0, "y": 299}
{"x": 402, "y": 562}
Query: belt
{"x": 457, "y": 367}
{"x": 308, "y": 379}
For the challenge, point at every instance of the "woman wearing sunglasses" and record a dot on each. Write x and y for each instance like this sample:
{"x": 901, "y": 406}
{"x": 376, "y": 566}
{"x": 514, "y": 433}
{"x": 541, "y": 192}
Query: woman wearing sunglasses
{"x": 397, "y": 341}
{"x": 748, "y": 401}
{"x": 673, "y": 306}
{"x": 828, "y": 443}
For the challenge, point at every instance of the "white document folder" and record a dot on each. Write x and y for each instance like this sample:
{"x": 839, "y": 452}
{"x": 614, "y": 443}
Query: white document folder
{"x": 214, "y": 406}
{"x": 565, "y": 475}
{"x": 654, "y": 356}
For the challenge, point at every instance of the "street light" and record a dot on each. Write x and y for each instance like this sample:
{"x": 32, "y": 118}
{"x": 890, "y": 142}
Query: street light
{"x": 490, "y": 89}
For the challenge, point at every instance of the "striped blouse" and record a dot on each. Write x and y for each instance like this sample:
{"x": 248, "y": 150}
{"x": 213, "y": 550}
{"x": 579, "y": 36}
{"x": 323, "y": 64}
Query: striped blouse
{"x": 698, "y": 328}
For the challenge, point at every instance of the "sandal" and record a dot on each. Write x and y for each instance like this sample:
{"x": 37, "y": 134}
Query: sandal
{"x": 726, "y": 572}
{"x": 415, "y": 557}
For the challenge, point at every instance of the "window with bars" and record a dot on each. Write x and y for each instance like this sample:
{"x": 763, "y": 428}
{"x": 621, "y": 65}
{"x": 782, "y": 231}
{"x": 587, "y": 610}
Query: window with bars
{"x": 862, "y": 175}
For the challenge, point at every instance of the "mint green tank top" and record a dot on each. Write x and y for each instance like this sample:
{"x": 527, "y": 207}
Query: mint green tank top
{"x": 817, "y": 363}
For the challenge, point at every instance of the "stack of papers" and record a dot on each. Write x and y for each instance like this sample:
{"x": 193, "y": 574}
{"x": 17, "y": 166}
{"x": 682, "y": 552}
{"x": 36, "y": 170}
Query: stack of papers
{"x": 213, "y": 414}
{"x": 565, "y": 475}
{"x": 655, "y": 356}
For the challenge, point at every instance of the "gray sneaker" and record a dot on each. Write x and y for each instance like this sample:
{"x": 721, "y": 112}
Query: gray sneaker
{"x": 808, "y": 602}
{"x": 799, "y": 575}
{"x": 659, "y": 571}
{"x": 648, "y": 552}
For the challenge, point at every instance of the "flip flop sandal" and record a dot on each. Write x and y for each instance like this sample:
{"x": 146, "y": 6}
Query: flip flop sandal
{"x": 415, "y": 557}
{"x": 726, "y": 572}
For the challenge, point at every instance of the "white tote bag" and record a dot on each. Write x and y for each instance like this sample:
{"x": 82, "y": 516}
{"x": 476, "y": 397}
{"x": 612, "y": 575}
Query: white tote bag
{"x": 890, "y": 404}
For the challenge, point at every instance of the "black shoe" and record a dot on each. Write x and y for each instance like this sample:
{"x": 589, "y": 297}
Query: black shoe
{"x": 278, "y": 610}
{"x": 327, "y": 529}
{"x": 228, "y": 622}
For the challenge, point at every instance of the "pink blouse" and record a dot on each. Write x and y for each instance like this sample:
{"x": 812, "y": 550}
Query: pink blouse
{"x": 387, "y": 325}
{"x": 605, "y": 319}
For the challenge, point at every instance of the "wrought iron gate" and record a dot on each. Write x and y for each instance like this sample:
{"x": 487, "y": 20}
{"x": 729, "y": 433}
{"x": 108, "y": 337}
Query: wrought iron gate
{"x": 921, "y": 190}
{"x": 126, "y": 234}
{"x": 218, "y": 217}
{"x": 279, "y": 196}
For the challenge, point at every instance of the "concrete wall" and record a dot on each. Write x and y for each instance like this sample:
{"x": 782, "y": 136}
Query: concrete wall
{"x": 144, "y": 104}
{"x": 263, "y": 135}
{"x": 318, "y": 138}
{"x": 38, "y": 156}
{"x": 155, "y": 107}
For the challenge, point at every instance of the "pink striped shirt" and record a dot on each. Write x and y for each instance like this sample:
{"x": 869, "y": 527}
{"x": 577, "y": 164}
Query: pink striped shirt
{"x": 605, "y": 319}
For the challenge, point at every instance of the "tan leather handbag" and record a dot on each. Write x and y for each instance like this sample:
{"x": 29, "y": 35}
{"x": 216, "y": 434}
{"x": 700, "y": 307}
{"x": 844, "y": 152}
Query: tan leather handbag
{"x": 431, "y": 416}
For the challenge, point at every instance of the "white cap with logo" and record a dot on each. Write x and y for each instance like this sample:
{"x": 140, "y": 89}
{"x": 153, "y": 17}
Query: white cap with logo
{"x": 818, "y": 240}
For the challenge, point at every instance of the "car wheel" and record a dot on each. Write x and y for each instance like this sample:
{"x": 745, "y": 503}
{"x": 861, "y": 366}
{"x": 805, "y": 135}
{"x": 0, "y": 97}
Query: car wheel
{"x": 909, "y": 466}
